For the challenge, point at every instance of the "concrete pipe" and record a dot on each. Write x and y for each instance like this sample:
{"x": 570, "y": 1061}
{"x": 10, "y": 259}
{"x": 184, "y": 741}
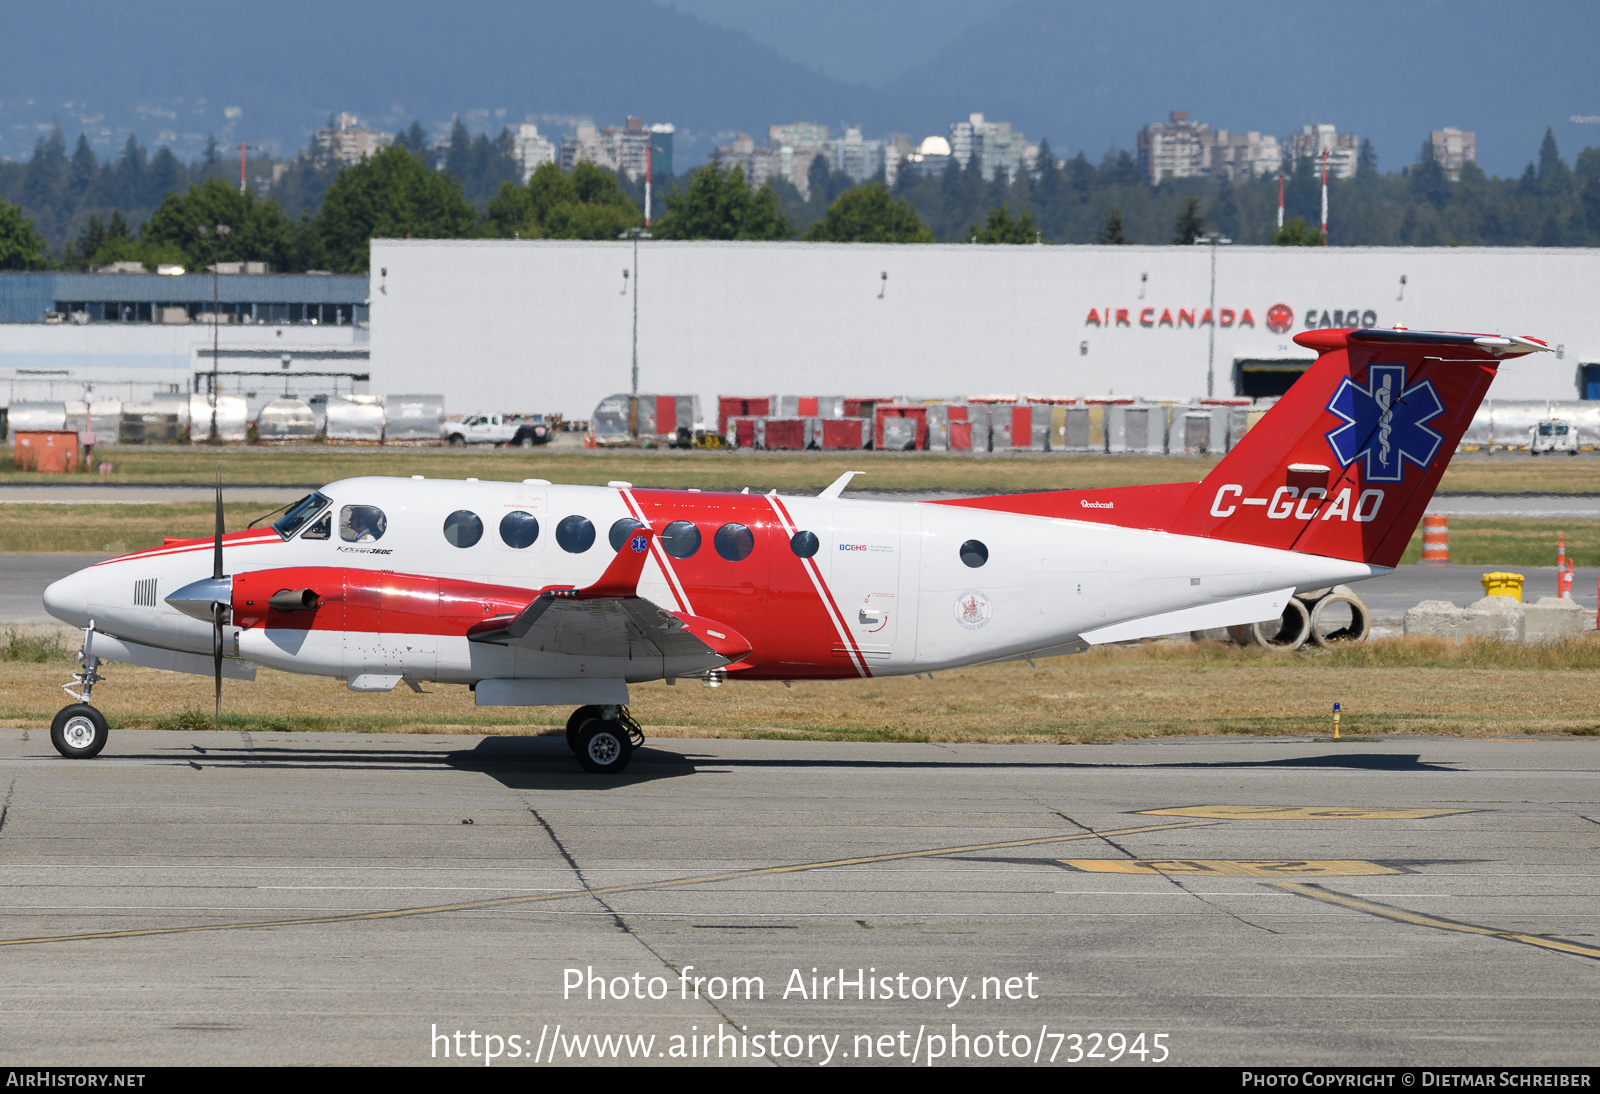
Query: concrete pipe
{"x": 1288, "y": 632}
{"x": 1340, "y": 617}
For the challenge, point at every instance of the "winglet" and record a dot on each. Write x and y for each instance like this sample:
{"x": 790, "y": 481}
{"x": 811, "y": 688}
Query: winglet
{"x": 622, "y": 576}
{"x": 836, "y": 487}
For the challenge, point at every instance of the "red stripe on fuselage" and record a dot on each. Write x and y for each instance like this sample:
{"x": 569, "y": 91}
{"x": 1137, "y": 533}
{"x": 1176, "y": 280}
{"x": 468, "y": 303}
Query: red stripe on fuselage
{"x": 824, "y": 594}
{"x": 250, "y": 537}
{"x": 769, "y": 596}
{"x": 658, "y": 554}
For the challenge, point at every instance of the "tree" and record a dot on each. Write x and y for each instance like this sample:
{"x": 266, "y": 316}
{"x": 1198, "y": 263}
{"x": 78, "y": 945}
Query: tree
{"x": 1190, "y": 225}
{"x": 1002, "y": 227}
{"x": 45, "y": 187}
{"x": 717, "y": 204}
{"x": 1427, "y": 180}
{"x": 587, "y": 204}
{"x": 1553, "y": 169}
{"x": 415, "y": 138}
{"x": 390, "y": 194}
{"x": 1297, "y": 233}
{"x": 869, "y": 214}
{"x": 1112, "y": 232}
{"x": 21, "y": 246}
{"x": 1366, "y": 161}
{"x": 257, "y": 229}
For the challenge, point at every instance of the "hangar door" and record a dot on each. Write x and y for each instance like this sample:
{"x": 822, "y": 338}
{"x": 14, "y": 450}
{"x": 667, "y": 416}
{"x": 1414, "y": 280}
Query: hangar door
{"x": 1260, "y": 377}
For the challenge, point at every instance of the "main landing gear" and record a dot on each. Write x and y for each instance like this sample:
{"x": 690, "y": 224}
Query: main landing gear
{"x": 603, "y": 738}
{"x": 79, "y": 731}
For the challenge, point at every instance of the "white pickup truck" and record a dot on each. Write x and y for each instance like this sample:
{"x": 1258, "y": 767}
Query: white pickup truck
{"x": 494, "y": 429}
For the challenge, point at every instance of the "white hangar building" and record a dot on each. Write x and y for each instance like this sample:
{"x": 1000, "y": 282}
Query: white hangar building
{"x": 548, "y": 325}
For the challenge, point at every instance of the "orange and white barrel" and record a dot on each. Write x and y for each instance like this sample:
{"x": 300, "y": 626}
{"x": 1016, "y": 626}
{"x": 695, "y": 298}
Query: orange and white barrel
{"x": 1435, "y": 541}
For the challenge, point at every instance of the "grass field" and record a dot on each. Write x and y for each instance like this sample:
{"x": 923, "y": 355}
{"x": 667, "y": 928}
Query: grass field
{"x": 317, "y": 464}
{"x": 1391, "y": 686}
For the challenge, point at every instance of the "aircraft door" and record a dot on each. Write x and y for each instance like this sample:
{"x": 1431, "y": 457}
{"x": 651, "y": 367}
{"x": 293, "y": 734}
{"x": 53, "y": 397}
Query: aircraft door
{"x": 864, "y": 551}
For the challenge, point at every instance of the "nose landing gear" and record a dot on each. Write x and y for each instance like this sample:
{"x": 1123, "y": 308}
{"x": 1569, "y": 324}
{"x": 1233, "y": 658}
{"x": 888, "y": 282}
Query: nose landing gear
{"x": 79, "y": 731}
{"x": 603, "y": 738}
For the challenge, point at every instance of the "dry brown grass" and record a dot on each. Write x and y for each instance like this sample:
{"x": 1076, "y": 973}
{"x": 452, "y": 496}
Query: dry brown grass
{"x": 317, "y": 464}
{"x": 26, "y": 528}
{"x": 1394, "y": 686}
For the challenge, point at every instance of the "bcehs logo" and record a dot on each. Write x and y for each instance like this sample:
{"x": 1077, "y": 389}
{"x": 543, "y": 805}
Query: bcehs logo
{"x": 1280, "y": 317}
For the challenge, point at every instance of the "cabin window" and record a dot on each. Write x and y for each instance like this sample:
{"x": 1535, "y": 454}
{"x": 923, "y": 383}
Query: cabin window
{"x": 804, "y": 544}
{"x": 519, "y": 529}
{"x": 463, "y": 528}
{"x": 362, "y": 524}
{"x": 680, "y": 539}
{"x": 621, "y": 530}
{"x": 575, "y": 534}
{"x": 734, "y": 542}
{"x": 321, "y": 529}
{"x": 974, "y": 553}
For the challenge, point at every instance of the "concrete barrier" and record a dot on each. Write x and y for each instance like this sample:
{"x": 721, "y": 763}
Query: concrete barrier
{"x": 1498, "y": 619}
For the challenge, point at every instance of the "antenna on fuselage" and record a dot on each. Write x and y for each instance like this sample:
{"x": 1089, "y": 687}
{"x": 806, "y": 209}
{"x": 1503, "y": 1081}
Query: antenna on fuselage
{"x": 836, "y": 487}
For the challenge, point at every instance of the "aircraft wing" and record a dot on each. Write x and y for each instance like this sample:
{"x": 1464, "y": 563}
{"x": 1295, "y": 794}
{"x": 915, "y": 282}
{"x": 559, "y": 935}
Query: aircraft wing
{"x": 613, "y": 626}
{"x": 610, "y": 619}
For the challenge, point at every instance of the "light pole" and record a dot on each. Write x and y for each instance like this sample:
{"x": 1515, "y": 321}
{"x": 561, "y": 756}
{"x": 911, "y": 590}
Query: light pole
{"x": 216, "y": 236}
{"x": 635, "y": 234}
{"x": 1212, "y": 238}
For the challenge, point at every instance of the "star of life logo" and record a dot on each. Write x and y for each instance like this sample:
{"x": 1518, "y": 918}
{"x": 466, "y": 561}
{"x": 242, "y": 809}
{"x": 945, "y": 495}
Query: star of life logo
{"x": 638, "y": 544}
{"x": 1385, "y": 422}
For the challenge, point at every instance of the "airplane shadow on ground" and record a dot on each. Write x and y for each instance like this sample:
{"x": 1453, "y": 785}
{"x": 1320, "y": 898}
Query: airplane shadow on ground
{"x": 545, "y": 763}
{"x": 521, "y": 763}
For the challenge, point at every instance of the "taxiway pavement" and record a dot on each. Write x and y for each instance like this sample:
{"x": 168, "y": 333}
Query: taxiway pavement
{"x": 224, "y": 898}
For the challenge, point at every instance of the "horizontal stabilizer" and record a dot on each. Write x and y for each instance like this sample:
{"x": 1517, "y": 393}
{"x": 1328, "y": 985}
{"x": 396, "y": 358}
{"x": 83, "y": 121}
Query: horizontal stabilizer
{"x": 1239, "y": 611}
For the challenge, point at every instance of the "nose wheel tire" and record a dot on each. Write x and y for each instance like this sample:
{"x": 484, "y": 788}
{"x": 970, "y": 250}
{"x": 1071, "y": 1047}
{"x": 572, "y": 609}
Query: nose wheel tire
{"x": 604, "y": 747}
{"x": 79, "y": 731}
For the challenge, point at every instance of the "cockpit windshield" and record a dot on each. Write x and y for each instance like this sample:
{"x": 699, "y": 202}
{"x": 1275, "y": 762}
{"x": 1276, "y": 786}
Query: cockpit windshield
{"x": 300, "y": 512}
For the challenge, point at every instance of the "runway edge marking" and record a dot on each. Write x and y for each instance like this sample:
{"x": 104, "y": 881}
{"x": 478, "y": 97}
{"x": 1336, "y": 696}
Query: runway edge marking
{"x": 1417, "y": 919}
{"x": 501, "y": 902}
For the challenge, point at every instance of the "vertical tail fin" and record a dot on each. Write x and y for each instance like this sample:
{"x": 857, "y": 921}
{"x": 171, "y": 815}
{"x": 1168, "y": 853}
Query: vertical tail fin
{"x": 1346, "y": 462}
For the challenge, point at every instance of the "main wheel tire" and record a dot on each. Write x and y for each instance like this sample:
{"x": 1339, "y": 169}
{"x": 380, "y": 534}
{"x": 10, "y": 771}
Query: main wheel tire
{"x": 79, "y": 731}
{"x": 603, "y": 747}
{"x": 575, "y": 723}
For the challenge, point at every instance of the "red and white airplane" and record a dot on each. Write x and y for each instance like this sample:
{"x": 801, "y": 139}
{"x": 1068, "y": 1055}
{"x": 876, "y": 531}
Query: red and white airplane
{"x": 535, "y": 594}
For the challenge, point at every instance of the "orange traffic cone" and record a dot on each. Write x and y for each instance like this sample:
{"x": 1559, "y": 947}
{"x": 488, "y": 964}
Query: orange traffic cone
{"x": 1561, "y": 565}
{"x": 1435, "y": 541}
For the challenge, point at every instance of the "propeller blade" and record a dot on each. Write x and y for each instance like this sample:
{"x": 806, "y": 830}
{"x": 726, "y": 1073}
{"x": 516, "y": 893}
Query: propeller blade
{"x": 216, "y": 557}
{"x": 216, "y": 661}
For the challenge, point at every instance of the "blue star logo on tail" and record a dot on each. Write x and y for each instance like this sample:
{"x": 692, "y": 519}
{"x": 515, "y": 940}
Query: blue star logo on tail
{"x": 1386, "y": 422}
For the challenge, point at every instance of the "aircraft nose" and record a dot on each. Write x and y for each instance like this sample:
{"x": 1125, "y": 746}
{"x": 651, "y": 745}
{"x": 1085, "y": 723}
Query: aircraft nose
{"x": 68, "y": 599}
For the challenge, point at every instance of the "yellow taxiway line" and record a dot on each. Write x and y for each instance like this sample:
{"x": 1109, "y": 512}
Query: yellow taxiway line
{"x": 1400, "y": 915}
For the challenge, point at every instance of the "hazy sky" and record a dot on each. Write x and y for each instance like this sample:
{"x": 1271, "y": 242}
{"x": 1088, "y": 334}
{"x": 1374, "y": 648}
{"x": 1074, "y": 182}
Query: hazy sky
{"x": 866, "y": 42}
